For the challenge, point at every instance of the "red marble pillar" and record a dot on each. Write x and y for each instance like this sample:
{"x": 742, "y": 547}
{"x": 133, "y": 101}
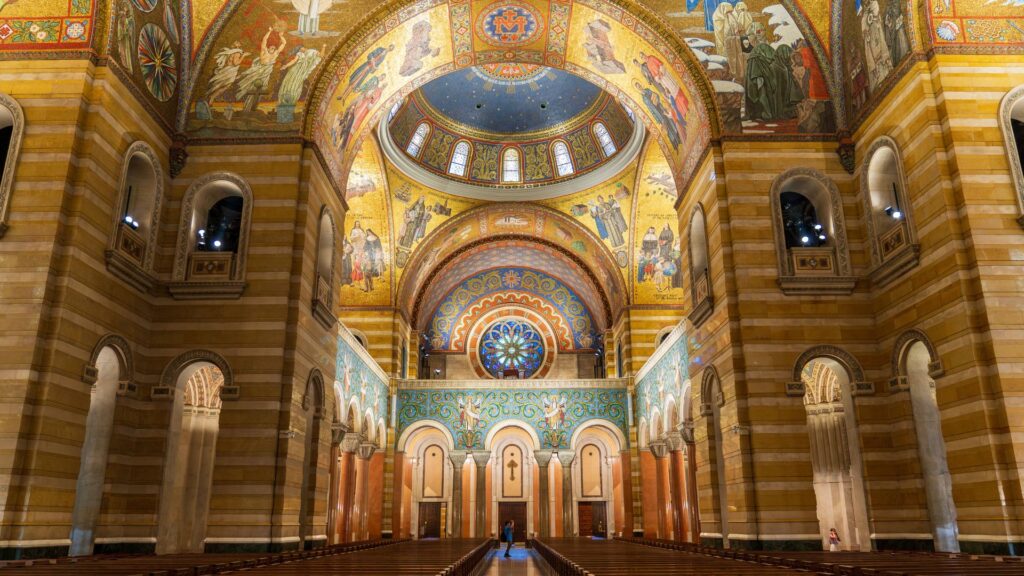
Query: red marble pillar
{"x": 660, "y": 451}
{"x": 677, "y": 479}
{"x": 375, "y": 497}
{"x": 691, "y": 491}
{"x": 649, "y": 494}
{"x": 397, "y": 503}
{"x": 361, "y": 500}
{"x": 347, "y": 485}
{"x": 333, "y": 508}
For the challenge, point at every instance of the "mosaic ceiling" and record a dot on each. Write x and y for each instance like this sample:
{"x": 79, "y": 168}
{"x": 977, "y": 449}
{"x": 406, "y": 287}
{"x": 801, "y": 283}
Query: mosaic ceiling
{"x": 512, "y": 100}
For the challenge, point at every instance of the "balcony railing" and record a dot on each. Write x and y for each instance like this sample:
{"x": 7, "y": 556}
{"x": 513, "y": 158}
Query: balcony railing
{"x": 601, "y": 383}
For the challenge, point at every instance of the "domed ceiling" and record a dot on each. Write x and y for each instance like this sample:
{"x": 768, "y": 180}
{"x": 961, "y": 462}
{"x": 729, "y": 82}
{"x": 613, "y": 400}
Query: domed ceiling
{"x": 510, "y": 125}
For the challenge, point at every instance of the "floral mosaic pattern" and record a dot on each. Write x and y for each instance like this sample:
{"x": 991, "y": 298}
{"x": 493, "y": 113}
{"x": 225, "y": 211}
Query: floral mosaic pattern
{"x": 451, "y": 310}
{"x": 471, "y": 414}
{"x": 157, "y": 62}
{"x": 27, "y": 25}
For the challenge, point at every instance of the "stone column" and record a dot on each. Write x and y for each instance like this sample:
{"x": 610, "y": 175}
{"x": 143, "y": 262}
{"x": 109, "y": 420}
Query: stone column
{"x": 397, "y": 503}
{"x": 660, "y": 450}
{"x": 458, "y": 458}
{"x": 625, "y": 458}
{"x": 347, "y": 484}
{"x": 566, "y": 457}
{"x": 375, "y": 497}
{"x": 481, "y": 459}
{"x": 543, "y": 459}
{"x": 333, "y": 492}
{"x": 677, "y": 475}
{"x": 691, "y": 481}
{"x": 361, "y": 500}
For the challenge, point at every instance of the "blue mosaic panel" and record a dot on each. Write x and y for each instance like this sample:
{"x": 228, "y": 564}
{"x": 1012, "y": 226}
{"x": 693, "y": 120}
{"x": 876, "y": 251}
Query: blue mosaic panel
{"x": 356, "y": 380}
{"x": 469, "y": 415}
{"x": 664, "y": 380}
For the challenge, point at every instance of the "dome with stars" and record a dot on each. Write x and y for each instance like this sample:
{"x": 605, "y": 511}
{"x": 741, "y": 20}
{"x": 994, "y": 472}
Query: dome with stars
{"x": 506, "y": 125}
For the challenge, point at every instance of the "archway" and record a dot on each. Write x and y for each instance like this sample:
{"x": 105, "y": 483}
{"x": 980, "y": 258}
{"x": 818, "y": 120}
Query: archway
{"x": 109, "y": 366}
{"x": 917, "y": 359}
{"x": 197, "y": 379}
{"x": 599, "y": 483}
{"x": 312, "y": 409}
{"x": 712, "y": 400}
{"x": 838, "y": 477}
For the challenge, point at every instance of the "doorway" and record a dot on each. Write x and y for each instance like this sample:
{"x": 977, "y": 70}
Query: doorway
{"x": 432, "y": 516}
{"x": 515, "y": 511}
{"x": 593, "y": 519}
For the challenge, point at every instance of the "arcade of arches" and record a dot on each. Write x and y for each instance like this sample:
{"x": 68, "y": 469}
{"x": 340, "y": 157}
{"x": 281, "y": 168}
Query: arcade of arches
{"x": 283, "y": 275}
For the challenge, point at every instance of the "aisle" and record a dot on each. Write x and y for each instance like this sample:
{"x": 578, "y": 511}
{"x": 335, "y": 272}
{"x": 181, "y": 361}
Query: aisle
{"x": 522, "y": 563}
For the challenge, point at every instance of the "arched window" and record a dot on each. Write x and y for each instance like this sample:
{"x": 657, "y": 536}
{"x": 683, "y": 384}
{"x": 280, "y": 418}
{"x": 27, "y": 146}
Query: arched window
{"x": 892, "y": 238}
{"x": 1011, "y": 120}
{"x": 810, "y": 234}
{"x": 133, "y": 242}
{"x": 393, "y": 111}
{"x": 700, "y": 277}
{"x": 12, "y": 125}
{"x": 590, "y": 472}
{"x": 510, "y": 166}
{"x": 620, "y": 362}
{"x": 563, "y": 161}
{"x": 213, "y": 237}
{"x": 322, "y": 290}
{"x": 605, "y": 139}
{"x": 460, "y": 157}
{"x": 416, "y": 142}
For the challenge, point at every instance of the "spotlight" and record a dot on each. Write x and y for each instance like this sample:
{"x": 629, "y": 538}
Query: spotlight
{"x": 216, "y": 243}
{"x": 821, "y": 237}
{"x": 129, "y": 219}
{"x": 202, "y": 233}
{"x": 817, "y": 226}
{"x": 894, "y": 213}
{"x": 805, "y": 239}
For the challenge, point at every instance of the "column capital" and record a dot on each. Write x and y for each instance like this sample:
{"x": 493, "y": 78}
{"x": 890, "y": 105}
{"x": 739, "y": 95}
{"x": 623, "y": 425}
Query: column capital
{"x": 686, "y": 429}
{"x": 674, "y": 441}
{"x": 481, "y": 458}
{"x": 458, "y": 458}
{"x": 543, "y": 457}
{"x": 566, "y": 457}
{"x": 350, "y": 441}
{"x": 659, "y": 448}
{"x": 338, "y": 431}
{"x": 366, "y": 450}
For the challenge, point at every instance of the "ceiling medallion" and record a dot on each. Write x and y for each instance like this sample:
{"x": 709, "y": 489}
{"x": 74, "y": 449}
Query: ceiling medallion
{"x": 509, "y": 24}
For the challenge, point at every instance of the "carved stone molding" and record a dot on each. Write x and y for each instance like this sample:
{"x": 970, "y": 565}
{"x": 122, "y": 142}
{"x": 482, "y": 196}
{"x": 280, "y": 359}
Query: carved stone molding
{"x": 366, "y": 450}
{"x": 674, "y": 440}
{"x": 482, "y": 458}
{"x": 898, "y": 384}
{"x": 180, "y": 286}
{"x": 659, "y": 448}
{"x": 351, "y": 442}
{"x": 11, "y": 163}
{"x": 179, "y": 157}
{"x": 839, "y": 280}
{"x": 338, "y": 432}
{"x": 169, "y": 377}
{"x": 834, "y": 352}
{"x": 458, "y": 458}
{"x": 902, "y": 345}
{"x": 862, "y": 389}
{"x": 796, "y": 389}
{"x": 566, "y": 457}
{"x": 543, "y": 457}
{"x": 1016, "y": 170}
{"x": 846, "y": 150}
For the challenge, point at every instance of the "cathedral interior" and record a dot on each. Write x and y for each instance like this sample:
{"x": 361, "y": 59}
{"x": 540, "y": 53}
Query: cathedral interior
{"x": 685, "y": 286}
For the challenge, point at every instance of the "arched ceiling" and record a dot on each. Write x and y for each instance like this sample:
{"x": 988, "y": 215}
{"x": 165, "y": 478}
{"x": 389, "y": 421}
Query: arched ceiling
{"x": 522, "y": 252}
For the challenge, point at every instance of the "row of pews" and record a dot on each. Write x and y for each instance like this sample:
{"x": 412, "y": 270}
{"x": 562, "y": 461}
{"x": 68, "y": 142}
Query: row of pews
{"x": 405, "y": 557}
{"x": 585, "y": 557}
{"x": 855, "y": 563}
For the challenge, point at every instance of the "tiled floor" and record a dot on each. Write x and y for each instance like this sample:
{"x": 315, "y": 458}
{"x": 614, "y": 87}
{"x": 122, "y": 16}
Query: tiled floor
{"x": 522, "y": 563}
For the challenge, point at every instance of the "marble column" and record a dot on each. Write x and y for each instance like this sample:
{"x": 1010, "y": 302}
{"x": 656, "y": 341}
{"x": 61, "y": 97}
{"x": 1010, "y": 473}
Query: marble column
{"x": 660, "y": 451}
{"x": 347, "y": 484}
{"x": 375, "y": 497}
{"x": 543, "y": 458}
{"x": 333, "y": 492}
{"x": 361, "y": 500}
{"x": 566, "y": 457}
{"x": 481, "y": 459}
{"x": 458, "y": 458}
{"x": 398, "y": 493}
{"x": 677, "y": 476}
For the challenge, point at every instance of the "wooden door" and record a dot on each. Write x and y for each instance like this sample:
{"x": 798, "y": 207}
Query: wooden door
{"x": 515, "y": 511}
{"x": 586, "y": 517}
{"x": 599, "y": 524}
{"x": 430, "y": 519}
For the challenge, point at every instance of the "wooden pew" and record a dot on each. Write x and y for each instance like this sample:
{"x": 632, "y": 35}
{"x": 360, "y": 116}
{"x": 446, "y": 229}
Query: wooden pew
{"x": 861, "y": 563}
{"x": 586, "y": 557}
{"x": 173, "y": 564}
